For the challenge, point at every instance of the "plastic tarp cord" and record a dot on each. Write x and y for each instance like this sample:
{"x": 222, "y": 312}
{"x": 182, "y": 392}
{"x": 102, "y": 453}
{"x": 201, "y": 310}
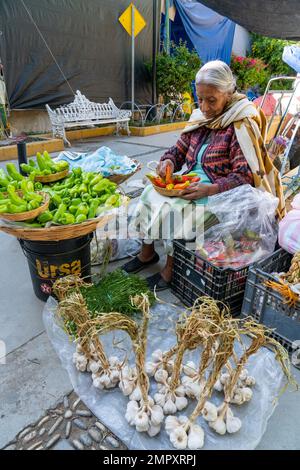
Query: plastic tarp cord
{"x": 110, "y": 406}
{"x": 275, "y": 18}
{"x": 90, "y": 45}
{"x": 211, "y": 33}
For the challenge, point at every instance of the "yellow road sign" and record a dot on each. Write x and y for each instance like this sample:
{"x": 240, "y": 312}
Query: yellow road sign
{"x": 125, "y": 20}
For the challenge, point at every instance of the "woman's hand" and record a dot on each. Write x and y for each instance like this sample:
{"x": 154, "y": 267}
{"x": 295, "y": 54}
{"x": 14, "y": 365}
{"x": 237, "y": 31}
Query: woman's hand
{"x": 162, "y": 166}
{"x": 198, "y": 191}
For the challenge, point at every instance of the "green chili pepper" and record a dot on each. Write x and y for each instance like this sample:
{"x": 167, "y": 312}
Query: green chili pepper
{"x": 59, "y": 213}
{"x": 45, "y": 217}
{"x": 56, "y": 199}
{"x": 93, "y": 207}
{"x": 80, "y": 218}
{"x": 82, "y": 209}
{"x": 96, "y": 180}
{"x": 76, "y": 201}
{"x": 67, "y": 219}
{"x": 41, "y": 162}
{"x": 32, "y": 163}
{"x": 14, "y": 198}
{"x": 38, "y": 186}
{"x": 13, "y": 172}
{"x": 3, "y": 209}
{"x": 32, "y": 205}
{"x": 77, "y": 171}
{"x": 72, "y": 209}
{"x": 82, "y": 188}
{"x": 86, "y": 197}
{"x": 16, "y": 209}
{"x": 26, "y": 168}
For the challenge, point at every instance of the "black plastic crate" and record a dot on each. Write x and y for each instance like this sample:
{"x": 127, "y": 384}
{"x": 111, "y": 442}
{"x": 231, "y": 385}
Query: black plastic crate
{"x": 268, "y": 306}
{"x": 194, "y": 276}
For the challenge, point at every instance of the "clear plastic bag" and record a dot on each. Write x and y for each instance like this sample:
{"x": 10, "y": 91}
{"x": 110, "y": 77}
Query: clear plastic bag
{"x": 291, "y": 56}
{"x": 247, "y": 228}
{"x": 289, "y": 228}
{"x": 110, "y": 405}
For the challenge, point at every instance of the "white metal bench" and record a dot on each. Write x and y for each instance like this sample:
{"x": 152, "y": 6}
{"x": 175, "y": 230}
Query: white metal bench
{"x": 82, "y": 112}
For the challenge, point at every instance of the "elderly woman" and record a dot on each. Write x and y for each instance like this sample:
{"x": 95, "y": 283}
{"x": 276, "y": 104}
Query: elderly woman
{"x": 224, "y": 144}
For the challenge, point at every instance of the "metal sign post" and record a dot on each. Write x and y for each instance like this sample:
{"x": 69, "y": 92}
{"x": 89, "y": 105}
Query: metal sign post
{"x": 133, "y": 22}
{"x": 132, "y": 58}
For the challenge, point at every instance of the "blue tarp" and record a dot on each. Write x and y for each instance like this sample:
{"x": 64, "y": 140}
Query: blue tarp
{"x": 211, "y": 34}
{"x": 203, "y": 29}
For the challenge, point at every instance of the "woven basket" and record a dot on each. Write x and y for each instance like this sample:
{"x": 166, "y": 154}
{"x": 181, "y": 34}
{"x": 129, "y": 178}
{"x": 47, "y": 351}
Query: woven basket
{"x": 57, "y": 232}
{"x": 22, "y": 216}
{"x": 53, "y": 177}
{"x": 119, "y": 179}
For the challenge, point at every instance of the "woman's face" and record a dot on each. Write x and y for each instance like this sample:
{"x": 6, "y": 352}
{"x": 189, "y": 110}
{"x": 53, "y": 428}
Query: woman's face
{"x": 211, "y": 100}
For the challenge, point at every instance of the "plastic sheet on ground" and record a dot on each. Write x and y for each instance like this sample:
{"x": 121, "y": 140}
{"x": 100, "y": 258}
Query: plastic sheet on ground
{"x": 110, "y": 406}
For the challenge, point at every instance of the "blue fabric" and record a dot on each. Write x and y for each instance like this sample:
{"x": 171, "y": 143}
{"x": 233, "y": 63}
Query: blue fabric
{"x": 211, "y": 33}
{"x": 198, "y": 168}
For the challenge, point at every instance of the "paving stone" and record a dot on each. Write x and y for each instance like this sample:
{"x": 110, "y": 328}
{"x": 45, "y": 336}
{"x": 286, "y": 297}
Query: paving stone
{"x": 55, "y": 425}
{"x": 80, "y": 424}
{"x": 112, "y": 441}
{"x": 95, "y": 435}
{"x": 52, "y": 441}
{"x": 85, "y": 440}
{"x": 84, "y": 413}
{"x": 42, "y": 431}
{"x": 100, "y": 426}
{"x": 68, "y": 414}
{"x": 68, "y": 429}
{"x": 77, "y": 445}
{"x": 35, "y": 446}
{"x": 29, "y": 436}
{"x": 63, "y": 444}
{"x": 24, "y": 432}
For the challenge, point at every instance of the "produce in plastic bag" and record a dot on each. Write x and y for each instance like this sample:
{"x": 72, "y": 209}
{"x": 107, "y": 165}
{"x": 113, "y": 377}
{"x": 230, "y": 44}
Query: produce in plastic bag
{"x": 247, "y": 229}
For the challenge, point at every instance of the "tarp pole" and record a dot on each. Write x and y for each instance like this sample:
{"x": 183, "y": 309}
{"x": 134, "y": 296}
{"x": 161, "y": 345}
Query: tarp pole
{"x": 167, "y": 26}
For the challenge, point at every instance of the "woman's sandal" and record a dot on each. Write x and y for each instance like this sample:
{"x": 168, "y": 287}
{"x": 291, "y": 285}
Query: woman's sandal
{"x": 157, "y": 282}
{"x": 135, "y": 265}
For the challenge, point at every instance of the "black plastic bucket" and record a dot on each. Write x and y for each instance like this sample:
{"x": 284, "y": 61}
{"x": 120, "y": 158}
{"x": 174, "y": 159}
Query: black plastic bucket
{"x": 49, "y": 261}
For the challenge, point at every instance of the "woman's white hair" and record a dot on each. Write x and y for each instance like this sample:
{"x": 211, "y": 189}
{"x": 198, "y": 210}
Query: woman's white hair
{"x": 218, "y": 74}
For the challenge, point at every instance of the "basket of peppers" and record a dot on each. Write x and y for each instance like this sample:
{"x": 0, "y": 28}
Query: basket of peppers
{"x": 172, "y": 185}
{"x": 23, "y": 204}
{"x": 45, "y": 170}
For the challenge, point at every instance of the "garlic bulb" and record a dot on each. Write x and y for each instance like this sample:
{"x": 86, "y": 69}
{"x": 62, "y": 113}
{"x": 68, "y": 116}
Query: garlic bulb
{"x": 210, "y": 412}
{"x": 237, "y": 398}
{"x": 169, "y": 407}
{"x": 80, "y": 361}
{"x": 179, "y": 438}
{"x": 181, "y": 403}
{"x": 94, "y": 366}
{"x": 180, "y": 391}
{"x": 150, "y": 368}
{"x": 131, "y": 412}
{"x": 161, "y": 376}
{"x": 224, "y": 379}
{"x": 171, "y": 423}
{"x": 243, "y": 374}
{"x": 250, "y": 381}
{"x": 153, "y": 430}
{"x": 126, "y": 387}
{"x": 190, "y": 369}
{"x": 157, "y": 355}
{"x": 156, "y": 415}
{"x": 246, "y": 393}
{"x": 160, "y": 399}
{"x": 136, "y": 394}
{"x": 195, "y": 437}
{"x": 218, "y": 386}
{"x": 141, "y": 421}
{"x": 219, "y": 426}
{"x": 233, "y": 424}
{"x": 114, "y": 361}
